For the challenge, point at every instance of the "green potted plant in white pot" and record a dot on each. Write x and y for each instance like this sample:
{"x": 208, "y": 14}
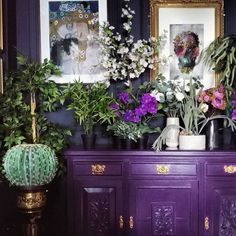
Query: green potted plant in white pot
{"x": 91, "y": 106}
{"x": 31, "y": 143}
{"x": 194, "y": 119}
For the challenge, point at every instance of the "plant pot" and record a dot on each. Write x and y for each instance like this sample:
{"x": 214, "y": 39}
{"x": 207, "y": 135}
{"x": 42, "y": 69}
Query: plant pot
{"x": 31, "y": 202}
{"x": 213, "y": 136}
{"x": 142, "y": 143}
{"x": 192, "y": 142}
{"x": 89, "y": 141}
{"x": 172, "y": 137}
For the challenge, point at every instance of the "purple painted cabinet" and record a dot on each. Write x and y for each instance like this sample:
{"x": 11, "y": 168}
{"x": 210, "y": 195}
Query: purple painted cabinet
{"x": 143, "y": 193}
{"x": 164, "y": 207}
{"x": 220, "y": 199}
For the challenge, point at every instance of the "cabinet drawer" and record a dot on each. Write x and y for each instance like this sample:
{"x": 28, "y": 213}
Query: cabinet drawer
{"x": 163, "y": 169}
{"x": 222, "y": 169}
{"x": 97, "y": 168}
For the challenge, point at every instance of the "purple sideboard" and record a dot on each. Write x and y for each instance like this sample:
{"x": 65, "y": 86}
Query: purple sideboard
{"x": 143, "y": 193}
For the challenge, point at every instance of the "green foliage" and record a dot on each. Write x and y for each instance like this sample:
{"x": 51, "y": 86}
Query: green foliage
{"x": 220, "y": 55}
{"x": 15, "y": 107}
{"x": 130, "y": 130}
{"x": 90, "y": 103}
{"x": 30, "y": 165}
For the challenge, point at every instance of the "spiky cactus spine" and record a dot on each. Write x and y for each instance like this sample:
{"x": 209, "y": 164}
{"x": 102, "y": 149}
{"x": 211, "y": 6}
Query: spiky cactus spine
{"x": 30, "y": 165}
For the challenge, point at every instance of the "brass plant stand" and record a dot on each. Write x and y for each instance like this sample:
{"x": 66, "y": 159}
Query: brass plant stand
{"x": 30, "y": 202}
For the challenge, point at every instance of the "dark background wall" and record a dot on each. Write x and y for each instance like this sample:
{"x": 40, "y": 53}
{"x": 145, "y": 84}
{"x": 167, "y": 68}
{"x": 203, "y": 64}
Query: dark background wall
{"x": 21, "y": 32}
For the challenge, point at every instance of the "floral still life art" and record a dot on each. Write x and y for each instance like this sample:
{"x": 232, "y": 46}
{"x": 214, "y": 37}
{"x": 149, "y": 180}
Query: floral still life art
{"x": 122, "y": 58}
{"x": 133, "y": 115}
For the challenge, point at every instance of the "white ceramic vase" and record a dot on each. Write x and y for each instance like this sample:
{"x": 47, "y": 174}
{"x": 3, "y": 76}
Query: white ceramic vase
{"x": 192, "y": 142}
{"x": 172, "y": 137}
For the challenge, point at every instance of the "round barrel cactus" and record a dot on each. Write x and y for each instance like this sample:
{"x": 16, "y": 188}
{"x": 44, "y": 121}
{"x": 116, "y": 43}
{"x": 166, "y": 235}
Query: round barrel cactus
{"x": 30, "y": 165}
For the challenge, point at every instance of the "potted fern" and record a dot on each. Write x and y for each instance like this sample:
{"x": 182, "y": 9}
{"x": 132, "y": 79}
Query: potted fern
{"x": 90, "y": 103}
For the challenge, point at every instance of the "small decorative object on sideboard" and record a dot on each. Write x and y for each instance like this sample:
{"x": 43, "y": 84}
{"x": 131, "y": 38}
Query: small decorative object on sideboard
{"x": 91, "y": 105}
{"x": 194, "y": 119}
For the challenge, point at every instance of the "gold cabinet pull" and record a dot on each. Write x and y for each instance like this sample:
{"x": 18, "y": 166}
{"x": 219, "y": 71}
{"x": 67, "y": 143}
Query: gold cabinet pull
{"x": 230, "y": 169}
{"x": 121, "y": 222}
{"x": 131, "y": 222}
{"x": 98, "y": 169}
{"x": 206, "y": 223}
{"x": 162, "y": 169}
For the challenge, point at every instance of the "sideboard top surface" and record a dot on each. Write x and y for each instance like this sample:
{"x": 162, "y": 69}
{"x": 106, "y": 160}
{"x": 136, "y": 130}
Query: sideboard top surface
{"x": 150, "y": 154}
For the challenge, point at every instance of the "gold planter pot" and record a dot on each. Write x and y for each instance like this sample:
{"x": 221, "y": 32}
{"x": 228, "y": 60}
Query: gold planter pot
{"x": 30, "y": 202}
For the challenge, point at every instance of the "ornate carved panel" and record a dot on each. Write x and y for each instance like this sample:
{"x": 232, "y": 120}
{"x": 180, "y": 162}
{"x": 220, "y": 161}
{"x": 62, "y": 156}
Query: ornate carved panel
{"x": 163, "y": 219}
{"x": 99, "y": 211}
{"x": 227, "y": 216}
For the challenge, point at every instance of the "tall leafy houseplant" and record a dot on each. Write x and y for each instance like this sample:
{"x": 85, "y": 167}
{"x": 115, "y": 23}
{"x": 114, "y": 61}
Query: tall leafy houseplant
{"x": 32, "y": 163}
{"x": 90, "y": 103}
{"x": 28, "y": 95}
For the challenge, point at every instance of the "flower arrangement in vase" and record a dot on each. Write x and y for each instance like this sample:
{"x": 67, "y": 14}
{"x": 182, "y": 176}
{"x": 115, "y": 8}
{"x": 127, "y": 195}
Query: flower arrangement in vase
{"x": 134, "y": 112}
{"x": 194, "y": 119}
{"x": 122, "y": 58}
{"x": 169, "y": 96}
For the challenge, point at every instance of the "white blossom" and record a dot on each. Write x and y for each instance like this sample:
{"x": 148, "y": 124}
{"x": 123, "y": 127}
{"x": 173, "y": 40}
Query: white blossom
{"x": 204, "y": 107}
{"x": 179, "y": 96}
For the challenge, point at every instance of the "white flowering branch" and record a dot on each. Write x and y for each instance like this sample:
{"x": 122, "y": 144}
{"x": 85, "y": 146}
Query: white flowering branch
{"x": 122, "y": 58}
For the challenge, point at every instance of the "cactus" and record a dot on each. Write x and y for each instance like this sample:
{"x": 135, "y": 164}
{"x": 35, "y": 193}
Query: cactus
{"x": 30, "y": 165}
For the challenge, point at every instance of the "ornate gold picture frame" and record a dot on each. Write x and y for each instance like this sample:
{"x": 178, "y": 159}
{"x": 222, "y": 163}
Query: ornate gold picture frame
{"x": 189, "y": 26}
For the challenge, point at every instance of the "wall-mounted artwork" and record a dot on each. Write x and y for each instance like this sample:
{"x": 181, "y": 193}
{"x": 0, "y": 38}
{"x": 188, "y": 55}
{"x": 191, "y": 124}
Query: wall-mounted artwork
{"x": 189, "y": 26}
{"x": 68, "y": 32}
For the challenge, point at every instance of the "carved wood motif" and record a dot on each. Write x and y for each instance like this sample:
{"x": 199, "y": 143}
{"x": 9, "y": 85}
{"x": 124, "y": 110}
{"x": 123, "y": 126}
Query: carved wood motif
{"x": 227, "y": 221}
{"x": 99, "y": 212}
{"x": 163, "y": 219}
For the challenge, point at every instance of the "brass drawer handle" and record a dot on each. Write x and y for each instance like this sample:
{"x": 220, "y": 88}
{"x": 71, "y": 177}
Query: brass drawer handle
{"x": 230, "y": 169}
{"x": 98, "y": 169}
{"x": 162, "y": 169}
{"x": 206, "y": 223}
{"x": 131, "y": 222}
{"x": 121, "y": 222}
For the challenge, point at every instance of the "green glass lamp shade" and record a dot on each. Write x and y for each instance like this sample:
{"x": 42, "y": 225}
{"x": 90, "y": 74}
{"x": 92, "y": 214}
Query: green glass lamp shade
{"x": 30, "y": 165}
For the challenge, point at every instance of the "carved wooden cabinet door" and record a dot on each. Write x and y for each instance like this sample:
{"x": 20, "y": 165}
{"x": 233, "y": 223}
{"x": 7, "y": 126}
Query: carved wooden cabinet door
{"x": 220, "y": 214}
{"x": 97, "y": 207}
{"x": 164, "y": 207}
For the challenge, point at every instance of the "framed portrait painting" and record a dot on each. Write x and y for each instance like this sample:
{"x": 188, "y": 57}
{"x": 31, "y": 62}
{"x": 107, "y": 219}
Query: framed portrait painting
{"x": 189, "y": 26}
{"x": 68, "y": 37}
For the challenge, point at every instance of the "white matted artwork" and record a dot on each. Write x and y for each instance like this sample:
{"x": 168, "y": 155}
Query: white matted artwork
{"x": 190, "y": 27}
{"x": 68, "y": 31}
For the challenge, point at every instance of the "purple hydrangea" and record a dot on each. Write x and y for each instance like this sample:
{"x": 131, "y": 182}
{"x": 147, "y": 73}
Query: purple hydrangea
{"x": 234, "y": 99}
{"x": 234, "y": 114}
{"x": 149, "y": 103}
{"x": 128, "y": 116}
{"x": 140, "y": 111}
{"x": 124, "y": 97}
{"x": 114, "y": 106}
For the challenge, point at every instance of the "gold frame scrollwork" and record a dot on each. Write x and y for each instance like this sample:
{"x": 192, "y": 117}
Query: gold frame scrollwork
{"x": 155, "y": 5}
{"x": 1, "y": 46}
